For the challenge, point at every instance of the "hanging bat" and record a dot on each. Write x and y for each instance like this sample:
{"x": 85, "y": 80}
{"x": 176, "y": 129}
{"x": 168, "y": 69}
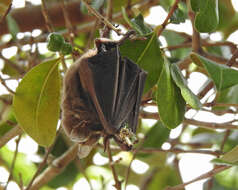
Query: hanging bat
{"x": 101, "y": 97}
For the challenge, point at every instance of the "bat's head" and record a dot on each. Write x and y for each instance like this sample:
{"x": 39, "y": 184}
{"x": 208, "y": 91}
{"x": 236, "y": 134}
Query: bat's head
{"x": 104, "y": 44}
{"x": 125, "y": 139}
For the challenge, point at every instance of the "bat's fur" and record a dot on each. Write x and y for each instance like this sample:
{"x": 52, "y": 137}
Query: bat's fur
{"x": 79, "y": 119}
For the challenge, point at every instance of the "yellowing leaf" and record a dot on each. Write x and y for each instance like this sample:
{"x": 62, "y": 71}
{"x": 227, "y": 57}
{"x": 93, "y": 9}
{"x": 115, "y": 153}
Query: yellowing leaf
{"x": 36, "y": 102}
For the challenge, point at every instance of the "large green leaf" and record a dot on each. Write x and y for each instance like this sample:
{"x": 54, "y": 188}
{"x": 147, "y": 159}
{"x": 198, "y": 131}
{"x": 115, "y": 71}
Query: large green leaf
{"x": 207, "y": 18}
{"x": 170, "y": 102}
{"x": 145, "y": 53}
{"x": 222, "y": 75}
{"x": 181, "y": 82}
{"x": 36, "y": 102}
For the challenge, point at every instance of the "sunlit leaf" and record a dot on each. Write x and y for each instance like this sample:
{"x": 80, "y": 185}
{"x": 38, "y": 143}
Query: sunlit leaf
{"x": 147, "y": 55}
{"x": 228, "y": 178}
{"x": 230, "y": 158}
{"x": 23, "y": 169}
{"x": 215, "y": 186}
{"x": 223, "y": 76}
{"x": 36, "y": 102}
{"x": 170, "y": 102}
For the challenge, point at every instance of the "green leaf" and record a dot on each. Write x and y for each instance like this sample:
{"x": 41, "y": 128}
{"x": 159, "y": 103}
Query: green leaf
{"x": 222, "y": 75}
{"x": 174, "y": 39}
{"x": 6, "y": 117}
{"x": 12, "y": 26}
{"x": 181, "y": 82}
{"x": 228, "y": 178}
{"x": 36, "y": 102}
{"x": 207, "y": 18}
{"x": 195, "y": 4}
{"x": 137, "y": 23}
{"x": 23, "y": 169}
{"x": 147, "y": 55}
{"x": 170, "y": 102}
{"x": 228, "y": 95}
{"x": 156, "y": 136}
{"x": 177, "y": 17}
{"x": 231, "y": 156}
{"x": 166, "y": 176}
{"x": 215, "y": 186}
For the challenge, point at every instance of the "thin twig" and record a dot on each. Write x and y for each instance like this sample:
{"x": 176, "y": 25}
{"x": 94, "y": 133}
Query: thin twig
{"x": 102, "y": 18}
{"x": 2, "y": 81}
{"x": 48, "y": 22}
{"x": 9, "y": 135}
{"x": 40, "y": 167}
{"x": 166, "y": 21}
{"x": 208, "y": 125}
{"x": 232, "y": 59}
{"x": 172, "y": 150}
{"x": 13, "y": 161}
{"x": 211, "y": 173}
{"x": 138, "y": 149}
{"x": 117, "y": 182}
{"x": 55, "y": 168}
{"x": 68, "y": 23}
{"x": 106, "y": 29}
{"x": 6, "y": 13}
{"x": 44, "y": 162}
{"x": 226, "y": 135}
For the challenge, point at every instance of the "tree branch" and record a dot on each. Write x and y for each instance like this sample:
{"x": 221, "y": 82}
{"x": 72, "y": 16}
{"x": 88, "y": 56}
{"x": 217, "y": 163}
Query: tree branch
{"x": 57, "y": 167}
{"x": 10, "y": 134}
{"x": 211, "y": 173}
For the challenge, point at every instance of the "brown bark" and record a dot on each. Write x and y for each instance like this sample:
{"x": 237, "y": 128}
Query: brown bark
{"x": 31, "y": 17}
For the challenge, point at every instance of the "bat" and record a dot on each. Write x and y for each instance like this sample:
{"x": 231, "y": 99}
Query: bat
{"x": 102, "y": 92}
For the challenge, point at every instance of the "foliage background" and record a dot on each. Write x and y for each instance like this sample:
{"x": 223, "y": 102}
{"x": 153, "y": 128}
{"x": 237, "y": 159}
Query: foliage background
{"x": 160, "y": 152}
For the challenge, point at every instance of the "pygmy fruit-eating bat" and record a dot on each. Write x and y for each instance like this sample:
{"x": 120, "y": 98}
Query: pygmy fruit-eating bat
{"x": 101, "y": 97}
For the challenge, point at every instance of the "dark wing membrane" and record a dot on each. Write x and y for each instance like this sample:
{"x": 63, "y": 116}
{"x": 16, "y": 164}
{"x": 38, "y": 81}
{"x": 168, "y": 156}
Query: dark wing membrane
{"x": 105, "y": 70}
{"x": 133, "y": 116}
{"x": 118, "y": 85}
{"x": 130, "y": 89}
